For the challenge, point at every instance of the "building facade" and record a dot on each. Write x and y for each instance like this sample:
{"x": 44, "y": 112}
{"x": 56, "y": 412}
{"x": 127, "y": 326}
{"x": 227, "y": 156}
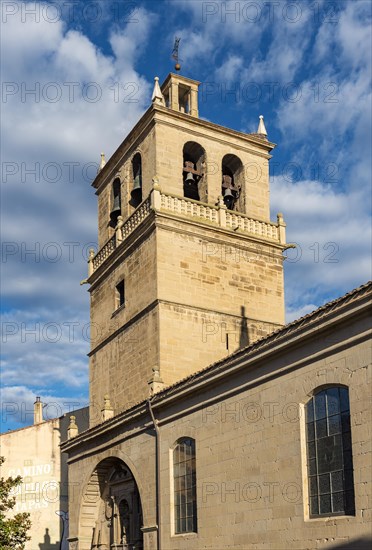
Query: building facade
{"x": 34, "y": 454}
{"x": 212, "y": 425}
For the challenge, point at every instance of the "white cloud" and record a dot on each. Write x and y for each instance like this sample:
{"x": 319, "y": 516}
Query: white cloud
{"x": 332, "y": 232}
{"x": 290, "y": 39}
{"x": 79, "y": 90}
{"x": 128, "y": 43}
{"x": 216, "y": 27}
{"x": 57, "y": 219}
{"x": 328, "y": 130}
{"x": 353, "y": 33}
{"x": 296, "y": 313}
{"x": 77, "y": 59}
{"x": 45, "y": 347}
{"x": 229, "y": 70}
{"x": 17, "y": 403}
{"x": 337, "y": 99}
{"x": 73, "y": 129}
{"x": 219, "y": 28}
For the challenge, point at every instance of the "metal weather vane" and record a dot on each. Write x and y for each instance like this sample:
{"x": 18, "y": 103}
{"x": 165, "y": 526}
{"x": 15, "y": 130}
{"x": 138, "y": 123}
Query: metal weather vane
{"x": 175, "y": 53}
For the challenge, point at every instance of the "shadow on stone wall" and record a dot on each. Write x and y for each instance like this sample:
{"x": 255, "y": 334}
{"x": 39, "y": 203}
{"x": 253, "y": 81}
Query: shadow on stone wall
{"x": 243, "y": 337}
{"x": 47, "y": 544}
{"x": 356, "y": 544}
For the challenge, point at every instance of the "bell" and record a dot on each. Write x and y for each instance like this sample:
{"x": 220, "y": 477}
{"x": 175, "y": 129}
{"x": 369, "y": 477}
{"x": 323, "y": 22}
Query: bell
{"x": 229, "y": 199}
{"x": 116, "y": 210}
{"x": 136, "y": 192}
{"x": 189, "y": 178}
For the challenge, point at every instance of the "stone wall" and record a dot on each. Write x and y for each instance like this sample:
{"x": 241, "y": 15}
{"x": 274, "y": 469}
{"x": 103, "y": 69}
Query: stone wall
{"x": 247, "y": 418}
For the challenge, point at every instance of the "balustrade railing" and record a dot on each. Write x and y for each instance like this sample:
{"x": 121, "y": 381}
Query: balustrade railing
{"x": 189, "y": 207}
{"x": 217, "y": 215}
{"x": 249, "y": 225}
{"x": 104, "y": 253}
{"x": 136, "y": 219}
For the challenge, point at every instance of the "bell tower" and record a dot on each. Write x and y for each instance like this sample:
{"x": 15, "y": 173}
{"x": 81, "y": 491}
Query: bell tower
{"x": 189, "y": 267}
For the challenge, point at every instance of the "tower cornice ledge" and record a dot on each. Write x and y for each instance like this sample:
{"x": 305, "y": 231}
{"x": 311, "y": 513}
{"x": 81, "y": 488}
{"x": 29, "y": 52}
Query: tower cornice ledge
{"x": 253, "y": 139}
{"x": 180, "y": 78}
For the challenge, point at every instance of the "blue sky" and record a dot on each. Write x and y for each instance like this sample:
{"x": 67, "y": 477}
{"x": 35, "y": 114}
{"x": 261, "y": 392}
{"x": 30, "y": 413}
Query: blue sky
{"x": 78, "y": 75}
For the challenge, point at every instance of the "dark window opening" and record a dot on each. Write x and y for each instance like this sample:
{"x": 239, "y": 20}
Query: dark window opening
{"x": 192, "y": 171}
{"x": 136, "y": 193}
{"x": 184, "y": 99}
{"x": 120, "y": 294}
{"x": 232, "y": 181}
{"x": 116, "y": 202}
{"x": 329, "y": 453}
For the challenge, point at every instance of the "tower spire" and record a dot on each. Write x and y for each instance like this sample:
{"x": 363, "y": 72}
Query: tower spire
{"x": 261, "y": 127}
{"x": 103, "y": 162}
{"x": 157, "y": 96}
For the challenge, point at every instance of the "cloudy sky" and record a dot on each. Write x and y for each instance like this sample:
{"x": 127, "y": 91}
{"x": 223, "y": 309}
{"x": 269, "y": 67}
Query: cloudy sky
{"x": 78, "y": 75}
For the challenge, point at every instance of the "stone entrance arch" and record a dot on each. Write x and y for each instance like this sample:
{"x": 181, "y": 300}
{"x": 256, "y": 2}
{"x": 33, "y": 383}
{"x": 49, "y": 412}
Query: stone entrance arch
{"x": 111, "y": 511}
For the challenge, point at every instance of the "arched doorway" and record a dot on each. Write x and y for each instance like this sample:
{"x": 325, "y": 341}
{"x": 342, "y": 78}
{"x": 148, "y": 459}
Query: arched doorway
{"x": 111, "y": 514}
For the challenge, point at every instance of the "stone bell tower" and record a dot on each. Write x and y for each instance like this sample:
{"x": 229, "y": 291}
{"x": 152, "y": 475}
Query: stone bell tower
{"x": 189, "y": 267}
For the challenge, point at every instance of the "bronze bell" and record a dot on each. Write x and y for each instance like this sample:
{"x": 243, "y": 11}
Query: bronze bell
{"x": 229, "y": 199}
{"x": 189, "y": 178}
{"x": 136, "y": 192}
{"x": 116, "y": 210}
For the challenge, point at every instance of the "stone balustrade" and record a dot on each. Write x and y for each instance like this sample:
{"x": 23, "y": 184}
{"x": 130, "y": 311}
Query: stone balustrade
{"x": 136, "y": 218}
{"x": 249, "y": 225}
{"x": 104, "y": 253}
{"x": 216, "y": 215}
{"x": 189, "y": 207}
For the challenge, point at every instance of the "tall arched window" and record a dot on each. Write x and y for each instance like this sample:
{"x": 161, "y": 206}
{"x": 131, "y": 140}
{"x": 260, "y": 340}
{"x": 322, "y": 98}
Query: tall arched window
{"x": 329, "y": 453}
{"x": 136, "y": 193}
{"x": 193, "y": 167}
{"x": 184, "y": 478}
{"x": 232, "y": 181}
{"x": 116, "y": 202}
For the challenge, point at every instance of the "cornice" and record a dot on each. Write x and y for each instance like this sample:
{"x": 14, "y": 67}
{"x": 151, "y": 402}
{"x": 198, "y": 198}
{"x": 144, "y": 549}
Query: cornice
{"x": 195, "y": 121}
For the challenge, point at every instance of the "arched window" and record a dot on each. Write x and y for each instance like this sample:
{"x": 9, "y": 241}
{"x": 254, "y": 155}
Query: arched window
{"x": 193, "y": 166}
{"x": 329, "y": 453}
{"x": 184, "y": 476}
{"x": 116, "y": 202}
{"x": 232, "y": 181}
{"x": 136, "y": 193}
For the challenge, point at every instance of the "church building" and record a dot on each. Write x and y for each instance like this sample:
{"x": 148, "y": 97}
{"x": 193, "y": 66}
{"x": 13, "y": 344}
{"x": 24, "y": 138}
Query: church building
{"x": 212, "y": 423}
